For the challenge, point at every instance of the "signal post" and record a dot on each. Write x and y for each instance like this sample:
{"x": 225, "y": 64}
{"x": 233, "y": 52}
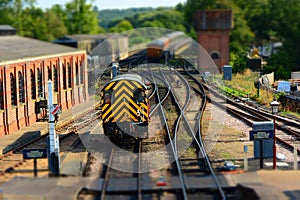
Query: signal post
{"x": 53, "y": 140}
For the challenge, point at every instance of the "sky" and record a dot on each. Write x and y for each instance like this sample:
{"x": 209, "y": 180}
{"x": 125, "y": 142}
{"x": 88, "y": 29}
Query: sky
{"x": 114, "y": 4}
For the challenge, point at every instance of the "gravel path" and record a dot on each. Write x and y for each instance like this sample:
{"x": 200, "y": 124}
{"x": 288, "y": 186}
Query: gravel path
{"x": 234, "y": 140}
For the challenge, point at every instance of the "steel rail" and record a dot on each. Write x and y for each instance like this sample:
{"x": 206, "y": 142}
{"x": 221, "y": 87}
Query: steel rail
{"x": 202, "y": 149}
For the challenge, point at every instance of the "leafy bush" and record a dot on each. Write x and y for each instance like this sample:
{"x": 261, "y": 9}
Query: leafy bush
{"x": 238, "y": 62}
{"x": 281, "y": 64}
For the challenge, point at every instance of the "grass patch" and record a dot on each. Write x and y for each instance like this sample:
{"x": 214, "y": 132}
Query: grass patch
{"x": 244, "y": 82}
{"x": 242, "y": 85}
{"x": 226, "y": 155}
{"x": 286, "y": 113}
{"x": 235, "y": 92}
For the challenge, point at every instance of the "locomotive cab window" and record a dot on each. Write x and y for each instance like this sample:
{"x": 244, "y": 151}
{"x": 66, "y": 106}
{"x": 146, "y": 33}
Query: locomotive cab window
{"x": 139, "y": 95}
{"x": 107, "y": 97}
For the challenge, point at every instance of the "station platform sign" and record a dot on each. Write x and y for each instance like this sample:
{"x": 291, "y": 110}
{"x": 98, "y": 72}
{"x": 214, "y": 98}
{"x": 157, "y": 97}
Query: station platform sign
{"x": 34, "y": 153}
{"x": 261, "y": 134}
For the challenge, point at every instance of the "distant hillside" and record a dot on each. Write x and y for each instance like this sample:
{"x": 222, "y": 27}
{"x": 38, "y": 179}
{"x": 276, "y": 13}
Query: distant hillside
{"x": 108, "y": 15}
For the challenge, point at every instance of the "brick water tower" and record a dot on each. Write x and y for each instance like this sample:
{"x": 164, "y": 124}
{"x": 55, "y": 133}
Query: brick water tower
{"x": 213, "y": 28}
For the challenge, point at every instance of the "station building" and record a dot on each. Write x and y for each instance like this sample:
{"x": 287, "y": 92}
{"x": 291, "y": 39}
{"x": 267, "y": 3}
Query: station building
{"x": 102, "y": 49}
{"x": 26, "y": 65}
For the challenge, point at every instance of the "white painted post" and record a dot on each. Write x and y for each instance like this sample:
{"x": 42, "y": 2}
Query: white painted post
{"x": 245, "y": 158}
{"x": 51, "y": 119}
{"x": 295, "y": 157}
{"x": 53, "y": 139}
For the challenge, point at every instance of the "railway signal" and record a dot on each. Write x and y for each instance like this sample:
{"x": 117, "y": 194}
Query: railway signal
{"x": 53, "y": 140}
{"x": 55, "y": 110}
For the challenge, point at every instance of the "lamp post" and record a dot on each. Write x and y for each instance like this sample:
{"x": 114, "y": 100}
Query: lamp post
{"x": 274, "y": 107}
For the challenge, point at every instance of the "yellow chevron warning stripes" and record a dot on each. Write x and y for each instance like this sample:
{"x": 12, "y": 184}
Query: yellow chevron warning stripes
{"x": 116, "y": 103}
{"x": 144, "y": 106}
{"x": 104, "y": 107}
{"x": 109, "y": 86}
{"x": 124, "y": 82}
{"x": 123, "y": 106}
{"x": 122, "y": 90}
{"x": 138, "y": 85}
{"x": 115, "y": 111}
{"x": 123, "y": 111}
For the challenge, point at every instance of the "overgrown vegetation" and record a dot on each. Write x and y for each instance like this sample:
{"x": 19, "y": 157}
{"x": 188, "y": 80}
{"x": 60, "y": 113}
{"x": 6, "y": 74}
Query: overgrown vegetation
{"x": 244, "y": 82}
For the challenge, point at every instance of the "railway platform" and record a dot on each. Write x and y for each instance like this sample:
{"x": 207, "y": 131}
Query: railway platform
{"x": 263, "y": 184}
{"x": 29, "y": 133}
{"x": 71, "y": 163}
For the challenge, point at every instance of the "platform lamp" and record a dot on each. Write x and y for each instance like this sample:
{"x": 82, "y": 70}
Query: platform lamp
{"x": 274, "y": 107}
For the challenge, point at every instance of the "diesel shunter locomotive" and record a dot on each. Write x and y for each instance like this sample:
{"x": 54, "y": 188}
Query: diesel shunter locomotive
{"x": 125, "y": 107}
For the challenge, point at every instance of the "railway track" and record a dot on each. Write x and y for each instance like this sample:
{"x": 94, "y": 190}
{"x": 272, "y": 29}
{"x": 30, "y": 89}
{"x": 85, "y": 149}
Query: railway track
{"x": 287, "y": 130}
{"x": 12, "y": 162}
{"x": 179, "y": 90}
{"x": 179, "y": 135}
{"x": 193, "y": 131}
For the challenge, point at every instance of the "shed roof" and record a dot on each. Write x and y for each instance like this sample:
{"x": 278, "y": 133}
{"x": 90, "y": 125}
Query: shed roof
{"x": 14, "y": 48}
{"x": 7, "y": 27}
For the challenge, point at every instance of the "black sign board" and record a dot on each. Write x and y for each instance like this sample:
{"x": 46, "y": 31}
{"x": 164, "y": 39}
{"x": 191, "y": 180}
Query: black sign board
{"x": 34, "y": 153}
{"x": 43, "y": 104}
{"x": 262, "y": 134}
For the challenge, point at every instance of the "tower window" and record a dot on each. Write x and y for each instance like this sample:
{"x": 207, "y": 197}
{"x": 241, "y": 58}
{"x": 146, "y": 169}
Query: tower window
{"x": 215, "y": 55}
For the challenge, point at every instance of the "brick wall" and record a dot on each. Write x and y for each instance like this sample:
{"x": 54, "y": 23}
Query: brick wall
{"x": 216, "y": 42}
{"x": 2, "y": 127}
{"x": 35, "y": 75}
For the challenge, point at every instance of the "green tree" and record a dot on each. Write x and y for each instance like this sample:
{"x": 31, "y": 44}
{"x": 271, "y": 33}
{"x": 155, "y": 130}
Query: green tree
{"x": 241, "y": 36}
{"x": 122, "y": 26}
{"x": 238, "y": 61}
{"x": 32, "y": 24}
{"x": 6, "y": 12}
{"x": 281, "y": 64}
{"x": 54, "y": 24}
{"x": 163, "y": 18}
{"x": 81, "y": 18}
{"x": 17, "y": 12}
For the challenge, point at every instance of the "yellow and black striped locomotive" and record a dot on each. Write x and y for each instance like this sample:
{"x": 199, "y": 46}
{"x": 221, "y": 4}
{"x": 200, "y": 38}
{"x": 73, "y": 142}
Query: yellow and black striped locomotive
{"x": 125, "y": 107}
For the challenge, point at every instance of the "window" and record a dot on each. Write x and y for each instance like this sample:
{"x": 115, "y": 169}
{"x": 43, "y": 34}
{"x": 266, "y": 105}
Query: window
{"x": 40, "y": 82}
{"x": 13, "y": 90}
{"x": 49, "y": 73}
{"x": 55, "y": 81}
{"x": 21, "y": 88}
{"x": 81, "y": 73}
{"x": 69, "y": 76}
{"x": 1, "y": 95}
{"x": 64, "y": 77}
{"x": 139, "y": 95}
{"x": 77, "y": 75}
{"x": 107, "y": 97}
{"x": 32, "y": 80}
{"x": 215, "y": 55}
